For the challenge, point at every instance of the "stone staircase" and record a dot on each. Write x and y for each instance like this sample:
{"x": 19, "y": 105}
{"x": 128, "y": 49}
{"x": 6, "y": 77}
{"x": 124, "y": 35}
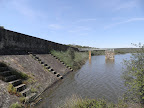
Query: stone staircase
{"x": 61, "y": 62}
{"x": 46, "y": 66}
{"x": 8, "y": 76}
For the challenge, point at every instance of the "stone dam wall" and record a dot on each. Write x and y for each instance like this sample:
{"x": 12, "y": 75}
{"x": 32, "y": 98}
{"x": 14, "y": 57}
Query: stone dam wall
{"x": 13, "y": 42}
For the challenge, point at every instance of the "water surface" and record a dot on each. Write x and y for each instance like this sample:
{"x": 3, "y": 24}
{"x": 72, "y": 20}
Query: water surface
{"x": 96, "y": 79}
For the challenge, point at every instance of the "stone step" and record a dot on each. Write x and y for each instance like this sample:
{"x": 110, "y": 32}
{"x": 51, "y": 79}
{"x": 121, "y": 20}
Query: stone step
{"x": 57, "y": 74}
{"x": 48, "y": 67}
{"x": 10, "y": 78}
{"x": 26, "y": 92}
{"x": 3, "y": 69}
{"x": 41, "y": 62}
{"x": 16, "y": 82}
{"x": 36, "y": 57}
{"x": 20, "y": 87}
{"x": 45, "y": 65}
{"x": 33, "y": 54}
{"x": 30, "y": 97}
{"x": 5, "y": 73}
{"x": 54, "y": 72}
{"x": 61, "y": 77}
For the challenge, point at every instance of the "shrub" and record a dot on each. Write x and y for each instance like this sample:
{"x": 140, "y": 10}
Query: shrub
{"x": 134, "y": 76}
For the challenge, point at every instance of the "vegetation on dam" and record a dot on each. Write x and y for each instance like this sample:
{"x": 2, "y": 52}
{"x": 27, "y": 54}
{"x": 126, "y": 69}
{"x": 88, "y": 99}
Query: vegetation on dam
{"x": 72, "y": 58}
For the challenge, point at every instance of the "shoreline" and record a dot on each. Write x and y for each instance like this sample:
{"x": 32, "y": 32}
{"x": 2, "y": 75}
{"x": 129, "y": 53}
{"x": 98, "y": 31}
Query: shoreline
{"x": 53, "y": 85}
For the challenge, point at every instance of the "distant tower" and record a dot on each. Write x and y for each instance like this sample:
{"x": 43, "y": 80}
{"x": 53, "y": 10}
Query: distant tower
{"x": 109, "y": 54}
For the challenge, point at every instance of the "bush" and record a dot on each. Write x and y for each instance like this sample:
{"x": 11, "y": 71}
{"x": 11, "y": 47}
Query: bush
{"x": 134, "y": 76}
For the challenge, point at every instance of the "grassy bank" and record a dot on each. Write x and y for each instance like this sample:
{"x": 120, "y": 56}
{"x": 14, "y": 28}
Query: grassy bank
{"x": 72, "y": 58}
{"x": 118, "y": 51}
{"x": 77, "y": 102}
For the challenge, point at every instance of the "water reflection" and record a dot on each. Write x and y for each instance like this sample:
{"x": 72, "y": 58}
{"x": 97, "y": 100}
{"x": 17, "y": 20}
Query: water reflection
{"x": 109, "y": 61}
{"x": 90, "y": 61}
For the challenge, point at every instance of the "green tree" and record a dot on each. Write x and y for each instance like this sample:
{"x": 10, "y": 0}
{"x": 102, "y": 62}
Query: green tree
{"x": 134, "y": 76}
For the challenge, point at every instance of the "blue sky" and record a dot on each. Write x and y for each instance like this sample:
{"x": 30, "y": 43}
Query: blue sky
{"x": 95, "y": 23}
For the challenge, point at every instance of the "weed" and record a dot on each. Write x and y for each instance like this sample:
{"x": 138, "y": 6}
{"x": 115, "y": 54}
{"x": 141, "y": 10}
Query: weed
{"x": 15, "y": 105}
{"x": 11, "y": 89}
{"x": 33, "y": 90}
{"x": 22, "y": 99}
{"x": 77, "y": 102}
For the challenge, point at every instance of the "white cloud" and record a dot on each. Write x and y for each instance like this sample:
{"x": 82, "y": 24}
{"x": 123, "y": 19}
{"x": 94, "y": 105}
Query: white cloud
{"x": 55, "y": 26}
{"x": 123, "y": 22}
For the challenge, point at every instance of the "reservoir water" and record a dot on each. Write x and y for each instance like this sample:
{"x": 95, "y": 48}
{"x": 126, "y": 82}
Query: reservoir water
{"x": 98, "y": 78}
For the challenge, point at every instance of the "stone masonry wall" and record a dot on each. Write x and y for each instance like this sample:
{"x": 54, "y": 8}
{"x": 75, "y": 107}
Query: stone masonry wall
{"x": 11, "y": 42}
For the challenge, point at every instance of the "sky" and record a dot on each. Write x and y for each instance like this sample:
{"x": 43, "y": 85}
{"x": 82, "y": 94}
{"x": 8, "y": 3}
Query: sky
{"x": 94, "y": 23}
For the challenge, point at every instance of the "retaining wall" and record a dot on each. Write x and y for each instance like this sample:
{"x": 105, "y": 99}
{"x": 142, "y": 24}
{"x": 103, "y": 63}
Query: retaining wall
{"x": 13, "y": 42}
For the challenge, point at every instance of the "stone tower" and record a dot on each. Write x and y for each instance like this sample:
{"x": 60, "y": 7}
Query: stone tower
{"x": 109, "y": 54}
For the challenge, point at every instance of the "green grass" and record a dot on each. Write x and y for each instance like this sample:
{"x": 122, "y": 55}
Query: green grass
{"x": 117, "y": 51}
{"x": 94, "y": 53}
{"x": 66, "y": 56}
{"x": 15, "y": 105}
{"x": 77, "y": 102}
